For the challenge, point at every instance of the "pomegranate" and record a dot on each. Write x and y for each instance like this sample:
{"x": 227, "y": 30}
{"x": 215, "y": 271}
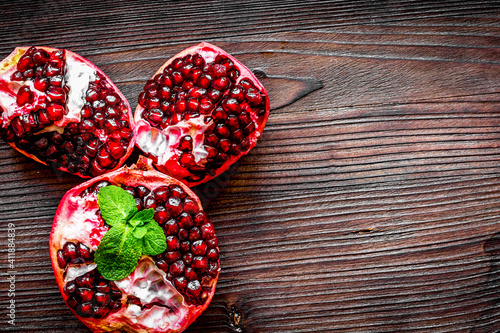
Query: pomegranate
{"x": 59, "y": 109}
{"x": 165, "y": 292}
{"x": 199, "y": 113}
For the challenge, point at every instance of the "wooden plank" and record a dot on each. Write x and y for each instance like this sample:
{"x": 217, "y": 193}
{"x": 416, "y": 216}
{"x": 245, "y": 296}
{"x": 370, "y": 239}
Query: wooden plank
{"x": 372, "y": 200}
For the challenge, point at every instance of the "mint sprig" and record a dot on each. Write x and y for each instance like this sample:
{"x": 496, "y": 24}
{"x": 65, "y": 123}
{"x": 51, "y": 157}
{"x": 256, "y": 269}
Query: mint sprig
{"x": 132, "y": 234}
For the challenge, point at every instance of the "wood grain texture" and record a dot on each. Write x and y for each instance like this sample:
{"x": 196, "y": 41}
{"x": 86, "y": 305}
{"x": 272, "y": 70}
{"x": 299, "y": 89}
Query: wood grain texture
{"x": 372, "y": 200}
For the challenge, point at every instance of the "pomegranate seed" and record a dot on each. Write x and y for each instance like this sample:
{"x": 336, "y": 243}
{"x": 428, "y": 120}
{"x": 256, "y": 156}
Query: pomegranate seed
{"x": 207, "y": 230}
{"x": 213, "y": 270}
{"x": 177, "y": 268}
{"x": 183, "y": 235}
{"x": 24, "y": 63}
{"x": 214, "y": 94}
{"x": 204, "y": 81}
{"x": 224, "y": 145}
{"x": 60, "y": 259}
{"x": 17, "y": 76}
{"x": 213, "y": 254}
{"x": 84, "y": 310}
{"x": 69, "y": 288}
{"x": 99, "y": 312}
{"x": 173, "y": 243}
{"x": 56, "y": 95}
{"x": 174, "y": 206}
{"x": 84, "y": 252}
{"x": 24, "y": 96}
{"x": 142, "y": 191}
{"x": 102, "y": 299}
{"x": 231, "y": 105}
{"x": 237, "y": 93}
{"x": 199, "y": 248}
{"x": 171, "y": 227}
{"x": 177, "y": 191}
{"x": 115, "y": 149}
{"x": 200, "y": 219}
{"x": 85, "y": 281}
{"x": 56, "y": 80}
{"x": 40, "y": 57}
{"x": 161, "y": 215}
{"x": 185, "y": 143}
{"x": 219, "y": 115}
{"x": 41, "y": 83}
{"x": 180, "y": 283}
{"x": 212, "y": 242}
{"x": 249, "y": 129}
{"x": 190, "y": 274}
{"x": 69, "y": 251}
{"x": 155, "y": 116}
{"x": 232, "y": 122}
{"x": 235, "y": 149}
{"x": 164, "y": 92}
{"x": 150, "y": 202}
{"x": 193, "y": 289}
{"x": 194, "y": 234}
{"x": 222, "y": 131}
{"x": 113, "y": 99}
{"x": 72, "y": 302}
{"x": 190, "y": 206}
{"x": 221, "y": 83}
{"x": 104, "y": 159}
{"x": 85, "y": 294}
{"x": 185, "y": 221}
{"x": 152, "y": 103}
{"x": 200, "y": 264}
{"x": 187, "y": 258}
{"x": 187, "y": 160}
{"x": 162, "y": 264}
{"x": 177, "y": 78}
{"x": 237, "y": 136}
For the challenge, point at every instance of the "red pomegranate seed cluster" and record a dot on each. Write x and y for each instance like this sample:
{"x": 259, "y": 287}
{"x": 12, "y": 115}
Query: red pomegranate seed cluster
{"x": 191, "y": 260}
{"x": 72, "y": 253}
{"x": 190, "y": 87}
{"x": 91, "y": 295}
{"x": 79, "y": 148}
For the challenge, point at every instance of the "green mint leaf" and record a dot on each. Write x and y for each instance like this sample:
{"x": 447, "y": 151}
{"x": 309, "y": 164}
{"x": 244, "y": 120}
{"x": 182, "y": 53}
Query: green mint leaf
{"x": 139, "y": 232}
{"x": 116, "y": 204}
{"x": 118, "y": 253}
{"x": 154, "y": 242}
{"x": 142, "y": 217}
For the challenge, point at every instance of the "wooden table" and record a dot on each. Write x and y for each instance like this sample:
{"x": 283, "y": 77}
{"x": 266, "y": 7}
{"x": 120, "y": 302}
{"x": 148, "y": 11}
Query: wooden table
{"x": 372, "y": 200}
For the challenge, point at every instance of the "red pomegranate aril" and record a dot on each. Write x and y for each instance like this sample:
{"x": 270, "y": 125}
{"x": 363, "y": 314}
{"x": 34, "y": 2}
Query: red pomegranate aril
{"x": 222, "y": 131}
{"x": 56, "y": 95}
{"x": 183, "y": 235}
{"x": 185, "y": 221}
{"x": 70, "y": 287}
{"x": 161, "y": 215}
{"x": 200, "y": 219}
{"x": 85, "y": 294}
{"x": 187, "y": 159}
{"x": 173, "y": 243}
{"x": 199, "y": 248}
{"x": 84, "y": 252}
{"x": 190, "y": 206}
{"x": 193, "y": 288}
{"x": 185, "y": 143}
{"x": 69, "y": 251}
{"x": 194, "y": 234}
{"x": 207, "y": 230}
{"x": 84, "y": 310}
{"x": 102, "y": 299}
{"x": 24, "y": 96}
{"x": 60, "y": 259}
{"x": 142, "y": 191}
{"x": 180, "y": 283}
{"x": 99, "y": 312}
{"x": 171, "y": 227}
{"x": 177, "y": 268}
{"x": 190, "y": 274}
{"x": 187, "y": 258}
{"x": 172, "y": 256}
{"x": 200, "y": 263}
{"x": 213, "y": 254}
{"x": 41, "y": 83}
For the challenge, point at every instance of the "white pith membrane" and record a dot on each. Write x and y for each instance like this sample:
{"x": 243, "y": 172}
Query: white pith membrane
{"x": 160, "y": 144}
{"x": 162, "y": 306}
{"x": 77, "y": 77}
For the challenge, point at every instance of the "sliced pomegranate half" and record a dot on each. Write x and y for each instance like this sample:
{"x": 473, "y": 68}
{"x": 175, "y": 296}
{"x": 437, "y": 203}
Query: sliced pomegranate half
{"x": 200, "y": 113}
{"x": 164, "y": 293}
{"x": 60, "y": 109}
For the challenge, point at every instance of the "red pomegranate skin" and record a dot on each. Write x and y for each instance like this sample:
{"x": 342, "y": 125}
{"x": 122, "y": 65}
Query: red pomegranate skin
{"x": 199, "y": 113}
{"x": 59, "y": 109}
{"x": 159, "y": 307}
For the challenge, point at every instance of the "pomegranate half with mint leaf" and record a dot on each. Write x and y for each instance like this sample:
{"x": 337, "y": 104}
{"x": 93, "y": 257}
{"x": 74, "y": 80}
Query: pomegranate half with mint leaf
{"x": 133, "y": 251}
{"x": 61, "y": 110}
{"x": 199, "y": 113}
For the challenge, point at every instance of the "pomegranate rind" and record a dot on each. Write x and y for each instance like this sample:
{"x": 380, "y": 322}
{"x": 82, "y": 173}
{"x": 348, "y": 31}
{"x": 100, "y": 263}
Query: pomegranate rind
{"x": 141, "y": 173}
{"x": 171, "y": 166}
{"x": 10, "y": 111}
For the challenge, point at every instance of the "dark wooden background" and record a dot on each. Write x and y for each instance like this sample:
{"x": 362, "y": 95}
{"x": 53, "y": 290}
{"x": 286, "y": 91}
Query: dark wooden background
{"x": 370, "y": 204}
